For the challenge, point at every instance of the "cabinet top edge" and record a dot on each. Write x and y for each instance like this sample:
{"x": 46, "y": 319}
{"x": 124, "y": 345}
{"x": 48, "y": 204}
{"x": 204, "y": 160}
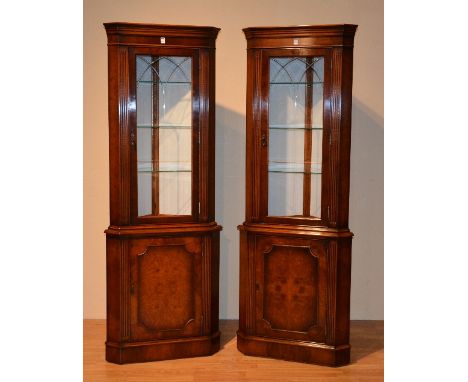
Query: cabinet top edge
{"x": 159, "y": 229}
{"x": 125, "y": 28}
{"x": 320, "y": 29}
{"x": 295, "y": 230}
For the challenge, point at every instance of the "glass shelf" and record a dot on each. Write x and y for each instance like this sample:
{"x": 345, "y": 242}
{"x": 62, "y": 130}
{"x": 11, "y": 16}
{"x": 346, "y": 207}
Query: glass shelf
{"x": 294, "y": 168}
{"x": 294, "y": 172}
{"x": 163, "y": 82}
{"x": 146, "y": 167}
{"x": 294, "y": 127}
{"x": 186, "y": 127}
{"x": 151, "y": 171}
{"x": 296, "y": 83}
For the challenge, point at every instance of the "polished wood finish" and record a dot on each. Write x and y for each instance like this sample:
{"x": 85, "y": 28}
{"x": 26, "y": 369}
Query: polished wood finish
{"x": 295, "y": 271}
{"x": 228, "y": 365}
{"x": 162, "y": 270}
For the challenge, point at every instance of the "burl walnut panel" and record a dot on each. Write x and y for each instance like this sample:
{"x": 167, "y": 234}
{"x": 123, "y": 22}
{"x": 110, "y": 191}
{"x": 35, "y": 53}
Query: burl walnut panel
{"x": 166, "y": 272}
{"x": 291, "y": 277}
{"x": 165, "y": 288}
{"x": 291, "y": 288}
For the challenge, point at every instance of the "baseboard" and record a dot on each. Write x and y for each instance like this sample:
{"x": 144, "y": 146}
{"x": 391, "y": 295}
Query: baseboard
{"x": 131, "y": 352}
{"x": 298, "y": 351}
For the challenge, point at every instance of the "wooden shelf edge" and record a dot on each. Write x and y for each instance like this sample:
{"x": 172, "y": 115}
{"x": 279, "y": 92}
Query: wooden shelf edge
{"x": 174, "y": 229}
{"x": 283, "y": 229}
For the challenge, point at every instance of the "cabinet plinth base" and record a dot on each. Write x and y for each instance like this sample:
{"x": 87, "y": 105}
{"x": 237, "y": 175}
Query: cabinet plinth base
{"x": 132, "y": 352}
{"x": 298, "y": 351}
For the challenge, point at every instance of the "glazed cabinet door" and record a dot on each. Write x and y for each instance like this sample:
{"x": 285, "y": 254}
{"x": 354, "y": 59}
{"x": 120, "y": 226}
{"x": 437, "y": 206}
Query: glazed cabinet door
{"x": 164, "y": 134}
{"x": 295, "y": 121}
{"x": 291, "y": 278}
{"x": 165, "y": 288}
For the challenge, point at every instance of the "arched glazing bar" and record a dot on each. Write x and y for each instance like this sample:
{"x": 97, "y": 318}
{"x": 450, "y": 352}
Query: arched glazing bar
{"x": 309, "y": 65}
{"x": 164, "y": 134}
{"x": 295, "y": 120}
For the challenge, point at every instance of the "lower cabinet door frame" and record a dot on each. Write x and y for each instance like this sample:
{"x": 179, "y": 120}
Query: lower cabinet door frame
{"x": 165, "y": 288}
{"x": 291, "y": 288}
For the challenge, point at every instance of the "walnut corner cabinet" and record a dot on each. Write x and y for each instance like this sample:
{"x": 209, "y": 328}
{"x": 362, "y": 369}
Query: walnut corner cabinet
{"x": 163, "y": 241}
{"x": 295, "y": 245}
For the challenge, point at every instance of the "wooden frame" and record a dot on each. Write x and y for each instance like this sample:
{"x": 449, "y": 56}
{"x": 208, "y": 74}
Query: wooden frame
{"x": 322, "y": 244}
{"x": 160, "y": 265}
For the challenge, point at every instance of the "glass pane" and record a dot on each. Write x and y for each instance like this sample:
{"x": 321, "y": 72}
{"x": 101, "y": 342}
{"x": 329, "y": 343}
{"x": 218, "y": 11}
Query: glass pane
{"x": 164, "y": 135}
{"x": 295, "y": 136}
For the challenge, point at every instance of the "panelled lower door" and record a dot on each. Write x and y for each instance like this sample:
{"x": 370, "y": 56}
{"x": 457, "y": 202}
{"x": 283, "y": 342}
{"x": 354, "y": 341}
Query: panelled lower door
{"x": 165, "y": 290}
{"x": 291, "y": 278}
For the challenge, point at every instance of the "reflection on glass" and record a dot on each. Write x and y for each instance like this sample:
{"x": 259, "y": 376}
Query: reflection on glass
{"x": 164, "y": 135}
{"x": 295, "y": 136}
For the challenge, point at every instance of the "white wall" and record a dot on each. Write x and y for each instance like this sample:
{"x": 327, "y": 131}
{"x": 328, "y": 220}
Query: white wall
{"x": 366, "y": 200}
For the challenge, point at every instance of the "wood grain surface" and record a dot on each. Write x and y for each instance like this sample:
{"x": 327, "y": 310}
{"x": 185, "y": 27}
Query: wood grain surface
{"x": 229, "y": 365}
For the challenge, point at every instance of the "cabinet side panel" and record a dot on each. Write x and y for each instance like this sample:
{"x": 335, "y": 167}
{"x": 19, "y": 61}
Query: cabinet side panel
{"x": 117, "y": 289}
{"x": 243, "y": 287}
{"x": 341, "y": 103}
{"x": 207, "y": 135}
{"x": 211, "y": 137}
{"x": 335, "y": 125}
{"x": 253, "y": 150}
{"x": 206, "y": 283}
{"x": 215, "y": 283}
{"x": 345, "y": 139}
{"x": 203, "y": 135}
{"x": 118, "y": 88}
{"x": 343, "y": 292}
{"x": 114, "y": 139}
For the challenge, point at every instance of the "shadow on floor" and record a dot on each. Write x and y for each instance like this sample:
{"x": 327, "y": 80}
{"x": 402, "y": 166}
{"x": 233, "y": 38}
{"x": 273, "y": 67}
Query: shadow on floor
{"x": 366, "y": 337}
{"x": 228, "y": 330}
